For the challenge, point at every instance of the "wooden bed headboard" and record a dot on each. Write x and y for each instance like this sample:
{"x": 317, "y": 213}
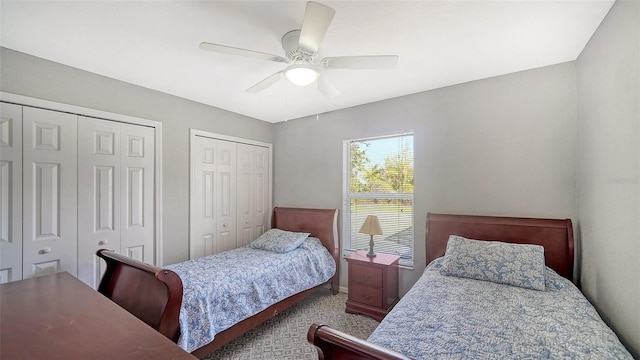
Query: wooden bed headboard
{"x": 555, "y": 235}
{"x": 321, "y": 223}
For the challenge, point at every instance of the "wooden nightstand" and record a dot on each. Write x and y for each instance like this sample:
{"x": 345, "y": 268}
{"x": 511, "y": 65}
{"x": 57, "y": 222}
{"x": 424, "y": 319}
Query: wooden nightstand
{"x": 373, "y": 284}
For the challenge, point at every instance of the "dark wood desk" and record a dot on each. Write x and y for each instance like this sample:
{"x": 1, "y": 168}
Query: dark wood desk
{"x": 59, "y": 317}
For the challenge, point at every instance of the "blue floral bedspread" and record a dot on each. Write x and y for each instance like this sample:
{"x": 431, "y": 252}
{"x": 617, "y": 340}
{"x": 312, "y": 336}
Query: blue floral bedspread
{"x": 223, "y": 289}
{"x": 445, "y": 317}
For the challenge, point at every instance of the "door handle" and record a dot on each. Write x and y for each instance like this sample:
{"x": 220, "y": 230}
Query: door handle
{"x": 103, "y": 242}
{"x": 44, "y": 251}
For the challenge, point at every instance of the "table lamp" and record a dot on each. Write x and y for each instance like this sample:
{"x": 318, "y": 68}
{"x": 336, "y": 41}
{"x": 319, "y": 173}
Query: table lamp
{"x": 371, "y": 227}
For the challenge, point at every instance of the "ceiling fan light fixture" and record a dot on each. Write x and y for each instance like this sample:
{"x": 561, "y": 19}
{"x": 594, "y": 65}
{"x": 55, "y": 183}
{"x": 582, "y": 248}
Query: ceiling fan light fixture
{"x": 301, "y": 74}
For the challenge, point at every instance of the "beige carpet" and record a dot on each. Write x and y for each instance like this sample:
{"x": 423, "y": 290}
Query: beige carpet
{"x": 285, "y": 336}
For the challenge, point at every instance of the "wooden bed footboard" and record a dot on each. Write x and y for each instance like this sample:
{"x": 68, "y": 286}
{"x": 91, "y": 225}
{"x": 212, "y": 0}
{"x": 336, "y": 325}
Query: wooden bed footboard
{"x": 152, "y": 294}
{"x": 334, "y": 344}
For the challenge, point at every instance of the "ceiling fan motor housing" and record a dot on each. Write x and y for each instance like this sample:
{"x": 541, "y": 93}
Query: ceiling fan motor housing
{"x": 290, "y": 42}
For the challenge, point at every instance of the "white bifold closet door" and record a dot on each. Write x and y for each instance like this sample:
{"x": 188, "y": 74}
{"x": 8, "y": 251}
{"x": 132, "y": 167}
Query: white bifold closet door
{"x": 49, "y": 192}
{"x": 70, "y": 185}
{"x": 213, "y": 205}
{"x": 98, "y": 195}
{"x": 10, "y": 192}
{"x": 252, "y": 192}
{"x": 230, "y": 192}
{"x": 115, "y": 193}
{"x": 137, "y": 180}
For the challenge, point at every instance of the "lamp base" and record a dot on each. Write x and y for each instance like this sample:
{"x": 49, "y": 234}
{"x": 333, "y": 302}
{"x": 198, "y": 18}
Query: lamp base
{"x": 371, "y": 253}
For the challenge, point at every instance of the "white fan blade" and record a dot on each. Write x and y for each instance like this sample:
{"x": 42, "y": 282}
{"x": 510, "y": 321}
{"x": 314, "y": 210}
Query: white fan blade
{"x": 317, "y": 18}
{"x": 241, "y": 52}
{"x": 326, "y": 88}
{"x": 361, "y": 62}
{"x": 272, "y": 79}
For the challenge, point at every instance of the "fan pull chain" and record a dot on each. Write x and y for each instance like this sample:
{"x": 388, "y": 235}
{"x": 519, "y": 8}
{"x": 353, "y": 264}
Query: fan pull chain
{"x": 286, "y": 103}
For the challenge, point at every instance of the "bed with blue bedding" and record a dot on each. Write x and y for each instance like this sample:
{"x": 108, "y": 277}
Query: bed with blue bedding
{"x": 203, "y": 304}
{"x": 223, "y": 289}
{"x": 461, "y": 318}
{"x": 488, "y": 292}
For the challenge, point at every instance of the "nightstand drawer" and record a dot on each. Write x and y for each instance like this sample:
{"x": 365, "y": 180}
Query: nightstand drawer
{"x": 365, "y": 295}
{"x": 366, "y": 275}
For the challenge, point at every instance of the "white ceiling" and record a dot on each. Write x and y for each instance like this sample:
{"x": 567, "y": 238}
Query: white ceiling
{"x": 154, "y": 44}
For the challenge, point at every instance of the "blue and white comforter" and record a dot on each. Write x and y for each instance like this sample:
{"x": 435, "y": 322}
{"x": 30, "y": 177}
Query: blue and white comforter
{"x": 444, "y": 317}
{"x": 223, "y": 289}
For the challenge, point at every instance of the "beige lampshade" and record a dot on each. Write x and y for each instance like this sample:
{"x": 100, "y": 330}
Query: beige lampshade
{"x": 371, "y": 226}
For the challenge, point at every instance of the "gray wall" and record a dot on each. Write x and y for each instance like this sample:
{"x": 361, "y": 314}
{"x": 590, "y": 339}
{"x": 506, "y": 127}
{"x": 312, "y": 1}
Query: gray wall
{"x": 499, "y": 146}
{"x": 35, "y": 77}
{"x": 609, "y": 170}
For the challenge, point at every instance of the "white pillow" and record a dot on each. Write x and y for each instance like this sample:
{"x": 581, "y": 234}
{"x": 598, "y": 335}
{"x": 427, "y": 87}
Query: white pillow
{"x": 279, "y": 240}
{"x": 504, "y": 263}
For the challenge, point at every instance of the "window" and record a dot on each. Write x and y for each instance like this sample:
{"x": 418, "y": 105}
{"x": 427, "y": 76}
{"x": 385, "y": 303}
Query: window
{"x": 378, "y": 180}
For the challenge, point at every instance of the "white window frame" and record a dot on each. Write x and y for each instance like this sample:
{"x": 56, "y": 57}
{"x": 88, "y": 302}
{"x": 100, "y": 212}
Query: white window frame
{"x": 346, "y": 197}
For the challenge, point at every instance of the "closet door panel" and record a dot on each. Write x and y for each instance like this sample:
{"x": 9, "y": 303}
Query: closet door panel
{"x": 202, "y": 209}
{"x": 261, "y": 186}
{"x": 10, "y": 192}
{"x": 49, "y": 192}
{"x": 137, "y": 192}
{"x": 245, "y": 194}
{"x": 98, "y": 195}
{"x": 226, "y": 191}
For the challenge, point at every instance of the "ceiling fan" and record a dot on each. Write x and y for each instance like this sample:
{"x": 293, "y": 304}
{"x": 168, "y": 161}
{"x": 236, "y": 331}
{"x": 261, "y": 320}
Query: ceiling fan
{"x": 301, "y": 49}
